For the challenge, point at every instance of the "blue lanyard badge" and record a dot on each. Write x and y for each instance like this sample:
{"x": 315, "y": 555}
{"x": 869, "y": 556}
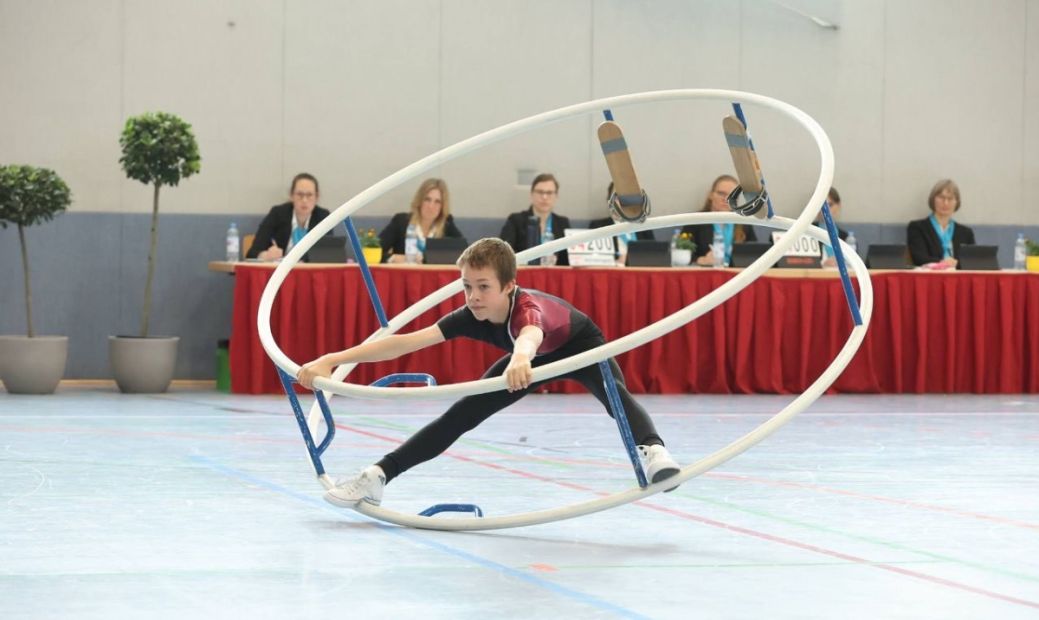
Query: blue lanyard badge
{"x": 297, "y": 235}
{"x": 548, "y": 224}
{"x": 944, "y": 236}
{"x": 727, "y": 236}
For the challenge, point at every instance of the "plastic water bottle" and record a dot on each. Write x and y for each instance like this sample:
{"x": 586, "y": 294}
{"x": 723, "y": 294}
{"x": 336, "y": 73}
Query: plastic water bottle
{"x": 411, "y": 245}
{"x": 1020, "y": 252}
{"x": 549, "y": 260}
{"x": 674, "y": 238}
{"x": 718, "y": 248}
{"x": 234, "y": 242}
{"x": 852, "y": 242}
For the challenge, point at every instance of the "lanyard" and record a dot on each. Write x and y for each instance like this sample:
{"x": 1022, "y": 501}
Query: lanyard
{"x": 726, "y": 230}
{"x": 944, "y": 236}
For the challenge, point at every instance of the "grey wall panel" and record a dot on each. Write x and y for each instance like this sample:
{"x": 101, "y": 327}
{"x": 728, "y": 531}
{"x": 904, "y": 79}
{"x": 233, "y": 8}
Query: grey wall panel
{"x": 1028, "y": 209}
{"x": 61, "y": 93}
{"x": 227, "y": 82}
{"x": 502, "y": 61}
{"x": 361, "y": 92}
{"x": 352, "y": 91}
{"x": 953, "y": 107}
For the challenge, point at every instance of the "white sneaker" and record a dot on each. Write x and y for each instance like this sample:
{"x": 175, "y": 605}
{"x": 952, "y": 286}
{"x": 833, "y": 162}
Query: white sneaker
{"x": 366, "y": 486}
{"x": 658, "y": 464}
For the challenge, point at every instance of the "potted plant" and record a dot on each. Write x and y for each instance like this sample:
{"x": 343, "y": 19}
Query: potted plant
{"x": 371, "y": 247}
{"x": 1032, "y": 258}
{"x": 158, "y": 149}
{"x": 682, "y": 255}
{"x": 31, "y": 364}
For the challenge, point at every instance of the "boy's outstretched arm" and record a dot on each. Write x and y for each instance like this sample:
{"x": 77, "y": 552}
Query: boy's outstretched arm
{"x": 387, "y": 348}
{"x": 518, "y": 372}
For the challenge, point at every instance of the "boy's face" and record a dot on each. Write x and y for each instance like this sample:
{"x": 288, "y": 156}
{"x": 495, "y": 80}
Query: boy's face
{"x": 484, "y": 295}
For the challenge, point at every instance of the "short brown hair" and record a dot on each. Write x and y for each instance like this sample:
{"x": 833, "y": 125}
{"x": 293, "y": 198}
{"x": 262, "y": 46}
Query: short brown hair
{"x": 941, "y": 186}
{"x": 834, "y": 196}
{"x": 541, "y": 178}
{"x": 491, "y": 252}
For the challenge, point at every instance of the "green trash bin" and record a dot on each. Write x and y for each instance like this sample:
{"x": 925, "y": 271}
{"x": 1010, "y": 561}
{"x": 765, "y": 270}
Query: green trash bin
{"x": 223, "y": 366}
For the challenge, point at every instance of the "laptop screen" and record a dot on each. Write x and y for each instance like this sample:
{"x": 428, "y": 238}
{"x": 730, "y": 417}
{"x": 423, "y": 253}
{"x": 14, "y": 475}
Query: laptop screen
{"x": 444, "y": 250}
{"x": 978, "y": 258}
{"x": 649, "y": 254}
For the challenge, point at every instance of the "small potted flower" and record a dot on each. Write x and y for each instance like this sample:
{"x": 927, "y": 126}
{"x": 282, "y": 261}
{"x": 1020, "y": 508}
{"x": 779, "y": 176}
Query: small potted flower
{"x": 682, "y": 255}
{"x": 371, "y": 246}
{"x": 1032, "y": 259}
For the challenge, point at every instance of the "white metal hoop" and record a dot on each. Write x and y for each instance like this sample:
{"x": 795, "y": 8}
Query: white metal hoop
{"x": 797, "y": 227}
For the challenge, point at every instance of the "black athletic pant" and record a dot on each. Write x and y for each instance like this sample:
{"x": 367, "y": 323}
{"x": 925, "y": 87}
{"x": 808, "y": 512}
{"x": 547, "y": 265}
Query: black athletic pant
{"x": 469, "y": 412}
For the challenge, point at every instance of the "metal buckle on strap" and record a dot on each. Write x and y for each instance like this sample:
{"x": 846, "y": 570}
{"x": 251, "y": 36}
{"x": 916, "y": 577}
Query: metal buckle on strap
{"x": 754, "y": 203}
{"x": 617, "y": 209}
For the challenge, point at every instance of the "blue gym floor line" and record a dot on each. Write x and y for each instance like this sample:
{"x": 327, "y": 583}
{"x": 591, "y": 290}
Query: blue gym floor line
{"x": 410, "y": 535}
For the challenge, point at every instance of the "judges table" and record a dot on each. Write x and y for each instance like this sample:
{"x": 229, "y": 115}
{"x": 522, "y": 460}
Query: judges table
{"x": 931, "y": 332}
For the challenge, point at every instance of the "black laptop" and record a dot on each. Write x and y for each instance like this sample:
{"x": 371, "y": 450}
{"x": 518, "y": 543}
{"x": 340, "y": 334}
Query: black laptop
{"x": 444, "y": 250}
{"x": 743, "y": 254}
{"x": 328, "y": 249}
{"x": 888, "y": 256}
{"x": 978, "y": 258}
{"x": 645, "y": 253}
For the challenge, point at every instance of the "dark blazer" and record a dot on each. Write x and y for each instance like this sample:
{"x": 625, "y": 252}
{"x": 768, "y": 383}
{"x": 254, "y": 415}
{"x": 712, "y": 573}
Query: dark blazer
{"x": 703, "y": 237}
{"x": 395, "y": 234}
{"x": 514, "y": 232}
{"x": 925, "y": 246}
{"x": 642, "y": 235}
{"x": 277, "y": 226}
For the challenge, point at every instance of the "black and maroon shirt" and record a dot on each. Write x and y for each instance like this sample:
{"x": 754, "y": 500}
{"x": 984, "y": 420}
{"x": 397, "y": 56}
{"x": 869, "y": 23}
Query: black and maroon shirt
{"x": 561, "y": 323}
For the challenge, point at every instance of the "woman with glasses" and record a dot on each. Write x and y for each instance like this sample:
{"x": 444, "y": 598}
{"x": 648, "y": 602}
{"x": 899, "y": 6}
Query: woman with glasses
{"x": 703, "y": 234}
{"x": 287, "y": 223}
{"x": 539, "y": 222}
{"x": 938, "y": 237}
{"x": 430, "y": 213}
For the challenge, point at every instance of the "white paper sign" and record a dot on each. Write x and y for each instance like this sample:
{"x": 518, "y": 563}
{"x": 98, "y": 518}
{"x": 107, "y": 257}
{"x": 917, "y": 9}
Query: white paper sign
{"x": 597, "y": 253}
{"x": 805, "y": 246}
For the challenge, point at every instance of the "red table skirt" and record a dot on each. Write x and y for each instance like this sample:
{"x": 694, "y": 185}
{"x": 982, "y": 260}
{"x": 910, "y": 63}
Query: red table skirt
{"x": 931, "y": 332}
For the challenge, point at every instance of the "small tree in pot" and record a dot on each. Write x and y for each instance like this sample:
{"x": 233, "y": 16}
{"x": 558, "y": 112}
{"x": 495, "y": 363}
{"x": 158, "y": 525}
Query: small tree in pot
{"x": 28, "y": 196}
{"x": 158, "y": 149}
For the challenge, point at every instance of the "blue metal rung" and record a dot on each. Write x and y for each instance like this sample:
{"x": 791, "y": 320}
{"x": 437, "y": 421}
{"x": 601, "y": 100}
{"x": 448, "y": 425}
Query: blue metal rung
{"x": 366, "y": 273}
{"x": 404, "y": 377}
{"x": 314, "y": 451}
{"x": 838, "y": 253}
{"x": 432, "y": 510}
{"x": 621, "y": 418}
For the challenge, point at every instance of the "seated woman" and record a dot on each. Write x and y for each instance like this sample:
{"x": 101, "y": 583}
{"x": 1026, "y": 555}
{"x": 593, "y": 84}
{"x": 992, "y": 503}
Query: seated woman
{"x": 287, "y": 223}
{"x": 430, "y": 213}
{"x": 703, "y": 234}
{"x": 620, "y": 242}
{"x": 539, "y": 222}
{"x": 937, "y": 238}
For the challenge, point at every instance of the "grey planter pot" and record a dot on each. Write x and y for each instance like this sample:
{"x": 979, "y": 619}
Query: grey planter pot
{"x": 143, "y": 365}
{"x": 33, "y": 365}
